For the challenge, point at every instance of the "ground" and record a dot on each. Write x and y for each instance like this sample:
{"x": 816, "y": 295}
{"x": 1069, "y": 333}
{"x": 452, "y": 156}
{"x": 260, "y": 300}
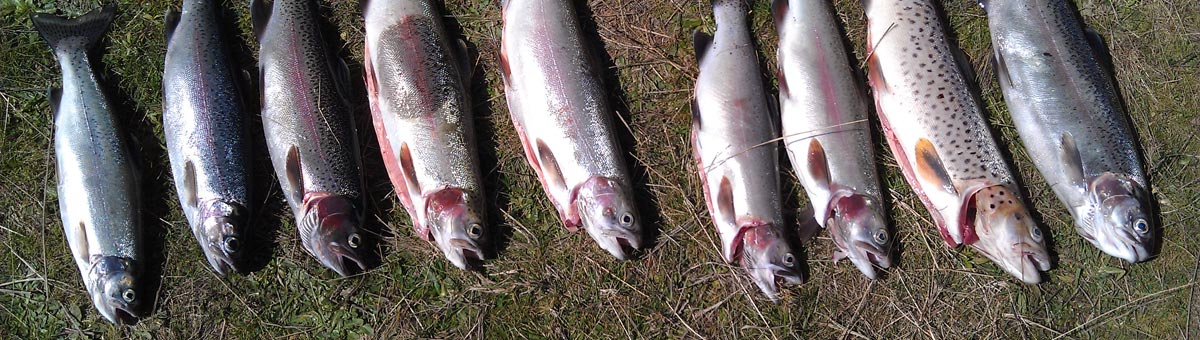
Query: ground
{"x": 544, "y": 281}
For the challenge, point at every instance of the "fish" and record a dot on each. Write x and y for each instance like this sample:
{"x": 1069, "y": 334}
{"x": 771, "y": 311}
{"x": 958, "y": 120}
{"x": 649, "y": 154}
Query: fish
{"x": 205, "y": 131}
{"x": 560, "y": 111}
{"x": 99, "y": 183}
{"x": 936, "y": 131}
{"x": 735, "y": 143}
{"x": 310, "y": 132}
{"x": 417, "y": 80}
{"x": 826, "y": 133}
{"x": 1065, "y": 106}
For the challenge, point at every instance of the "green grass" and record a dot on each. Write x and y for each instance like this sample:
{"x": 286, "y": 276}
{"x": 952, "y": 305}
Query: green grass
{"x": 547, "y": 282}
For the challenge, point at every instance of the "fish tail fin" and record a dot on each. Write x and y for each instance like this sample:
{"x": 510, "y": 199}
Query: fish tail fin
{"x": 82, "y": 32}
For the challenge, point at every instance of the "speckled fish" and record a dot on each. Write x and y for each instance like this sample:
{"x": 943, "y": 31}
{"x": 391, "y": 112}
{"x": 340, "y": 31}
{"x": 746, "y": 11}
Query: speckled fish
{"x": 203, "y": 122}
{"x": 416, "y": 80}
{"x": 937, "y": 132}
{"x": 1066, "y": 110}
{"x": 559, "y": 108}
{"x": 734, "y": 140}
{"x": 827, "y": 135}
{"x": 98, "y": 184}
{"x": 310, "y": 131}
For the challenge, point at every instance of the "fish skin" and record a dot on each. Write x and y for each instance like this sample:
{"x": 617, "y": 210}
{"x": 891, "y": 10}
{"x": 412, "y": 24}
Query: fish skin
{"x": 203, "y": 122}
{"x": 733, "y": 139}
{"x": 936, "y": 130}
{"x": 416, "y": 81}
{"x": 310, "y": 132}
{"x": 560, "y": 112}
{"x": 827, "y": 135}
{"x": 98, "y": 182}
{"x": 1056, "y": 87}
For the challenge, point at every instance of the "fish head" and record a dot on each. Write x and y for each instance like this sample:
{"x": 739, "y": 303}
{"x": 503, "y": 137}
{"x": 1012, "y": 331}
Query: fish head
{"x": 113, "y": 287}
{"x": 768, "y": 258}
{"x": 861, "y": 233}
{"x": 220, "y": 234}
{"x": 1007, "y": 234}
{"x": 606, "y": 209}
{"x": 330, "y": 231}
{"x": 456, "y": 226}
{"x": 1121, "y": 226}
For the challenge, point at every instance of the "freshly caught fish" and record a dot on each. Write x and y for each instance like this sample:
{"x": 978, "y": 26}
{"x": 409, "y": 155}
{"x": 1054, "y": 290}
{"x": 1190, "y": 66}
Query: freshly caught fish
{"x": 937, "y": 132}
{"x": 560, "y": 111}
{"x": 1066, "y": 110}
{"x": 98, "y": 185}
{"x": 416, "y": 78}
{"x": 203, "y": 120}
{"x": 734, "y": 142}
{"x": 827, "y": 135}
{"x": 310, "y": 131}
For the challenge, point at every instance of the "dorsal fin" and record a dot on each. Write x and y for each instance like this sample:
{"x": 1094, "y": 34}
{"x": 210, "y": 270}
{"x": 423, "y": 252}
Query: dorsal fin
{"x": 260, "y": 14}
{"x": 818, "y": 165}
{"x": 1071, "y": 160}
{"x": 549, "y": 165}
{"x": 170, "y": 21}
{"x": 700, "y": 44}
{"x": 295, "y": 174}
{"x": 930, "y": 167}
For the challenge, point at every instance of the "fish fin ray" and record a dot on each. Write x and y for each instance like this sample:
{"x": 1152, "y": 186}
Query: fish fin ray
{"x": 260, "y": 15}
{"x": 779, "y": 9}
{"x": 1002, "y": 75}
{"x": 818, "y": 165}
{"x": 1072, "y": 161}
{"x": 700, "y": 43}
{"x": 295, "y": 174}
{"x": 409, "y": 171}
{"x": 930, "y": 168}
{"x": 170, "y": 21}
{"x": 55, "y": 96}
{"x": 189, "y": 184}
{"x": 550, "y": 170}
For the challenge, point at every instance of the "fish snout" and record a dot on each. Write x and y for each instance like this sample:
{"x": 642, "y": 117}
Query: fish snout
{"x": 337, "y": 242}
{"x": 463, "y": 253}
{"x": 114, "y": 291}
{"x": 620, "y": 243}
{"x": 220, "y": 239}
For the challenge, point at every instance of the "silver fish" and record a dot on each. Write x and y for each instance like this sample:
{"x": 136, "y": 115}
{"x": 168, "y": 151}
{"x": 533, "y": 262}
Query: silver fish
{"x": 416, "y": 83}
{"x": 827, "y": 135}
{"x": 734, "y": 142}
{"x": 937, "y": 132}
{"x": 1066, "y": 110}
{"x": 560, "y": 112}
{"x": 310, "y": 131}
{"x": 98, "y": 184}
{"x": 205, "y": 133}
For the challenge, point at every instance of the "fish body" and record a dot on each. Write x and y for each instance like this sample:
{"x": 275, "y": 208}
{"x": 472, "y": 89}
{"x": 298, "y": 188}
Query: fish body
{"x": 98, "y": 186}
{"x": 936, "y": 130}
{"x": 827, "y": 135}
{"x": 204, "y": 125}
{"x": 560, "y": 112}
{"x": 1066, "y": 110}
{"x": 416, "y": 79}
{"x": 734, "y": 143}
{"x": 310, "y": 131}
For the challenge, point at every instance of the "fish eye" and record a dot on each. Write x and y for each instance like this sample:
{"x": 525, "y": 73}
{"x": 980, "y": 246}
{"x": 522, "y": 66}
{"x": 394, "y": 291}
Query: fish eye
{"x": 1036, "y": 233}
{"x": 789, "y": 259}
{"x": 881, "y": 236}
{"x": 475, "y": 230}
{"x": 128, "y": 295}
{"x": 627, "y": 220}
{"x": 231, "y": 244}
{"x": 353, "y": 241}
{"x": 1141, "y": 227}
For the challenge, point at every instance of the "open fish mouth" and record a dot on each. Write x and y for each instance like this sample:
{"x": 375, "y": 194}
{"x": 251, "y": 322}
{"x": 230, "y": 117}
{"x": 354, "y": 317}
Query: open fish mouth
{"x": 874, "y": 254}
{"x": 346, "y": 263}
{"x": 626, "y": 247}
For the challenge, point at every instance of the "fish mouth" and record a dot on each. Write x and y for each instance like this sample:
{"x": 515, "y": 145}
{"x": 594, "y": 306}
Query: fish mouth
{"x": 464, "y": 254}
{"x": 621, "y": 244}
{"x": 345, "y": 262}
{"x": 221, "y": 264}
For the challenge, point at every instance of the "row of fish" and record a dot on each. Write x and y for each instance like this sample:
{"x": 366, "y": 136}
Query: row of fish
{"x": 417, "y": 80}
{"x": 1051, "y": 71}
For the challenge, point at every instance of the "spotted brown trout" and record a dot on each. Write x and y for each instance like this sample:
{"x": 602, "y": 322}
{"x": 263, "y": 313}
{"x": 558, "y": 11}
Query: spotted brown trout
{"x": 737, "y": 154}
{"x": 937, "y": 133}
{"x": 828, "y": 138}
{"x": 98, "y": 185}
{"x": 559, "y": 109}
{"x": 205, "y": 129}
{"x": 1066, "y": 110}
{"x": 310, "y": 131}
{"x": 416, "y": 80}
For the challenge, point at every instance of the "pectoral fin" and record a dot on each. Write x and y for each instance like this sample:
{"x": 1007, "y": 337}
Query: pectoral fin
{"x": 551, "y": 174}
{"x": 409, "y": 171}
{"x": 818, "y": 165}
{"x": 189, "y": 184}
{"x": 294, "y": 174}
{"x": 1072, "y": 161}
{"x": 930, "y": 168}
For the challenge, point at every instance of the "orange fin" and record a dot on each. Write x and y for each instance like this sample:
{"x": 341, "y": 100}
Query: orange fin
{"x": 930, "y": 167}
{"x": 818, "y": 165}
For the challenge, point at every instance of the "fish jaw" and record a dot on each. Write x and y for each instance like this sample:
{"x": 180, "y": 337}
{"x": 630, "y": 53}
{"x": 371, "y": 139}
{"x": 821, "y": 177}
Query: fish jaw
{"x": 860, "y": 233}
{"x": 1007, "y": 234}
{"x": 222, "y": 225}
{"x": 456, "y": 226}
{"x": 605, "y": 208}
{"x": 333, "y": 223}
{"x": 112, "y": 284}
{"x": 1120, "y": 224}
{"x": 768, "y": 258}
